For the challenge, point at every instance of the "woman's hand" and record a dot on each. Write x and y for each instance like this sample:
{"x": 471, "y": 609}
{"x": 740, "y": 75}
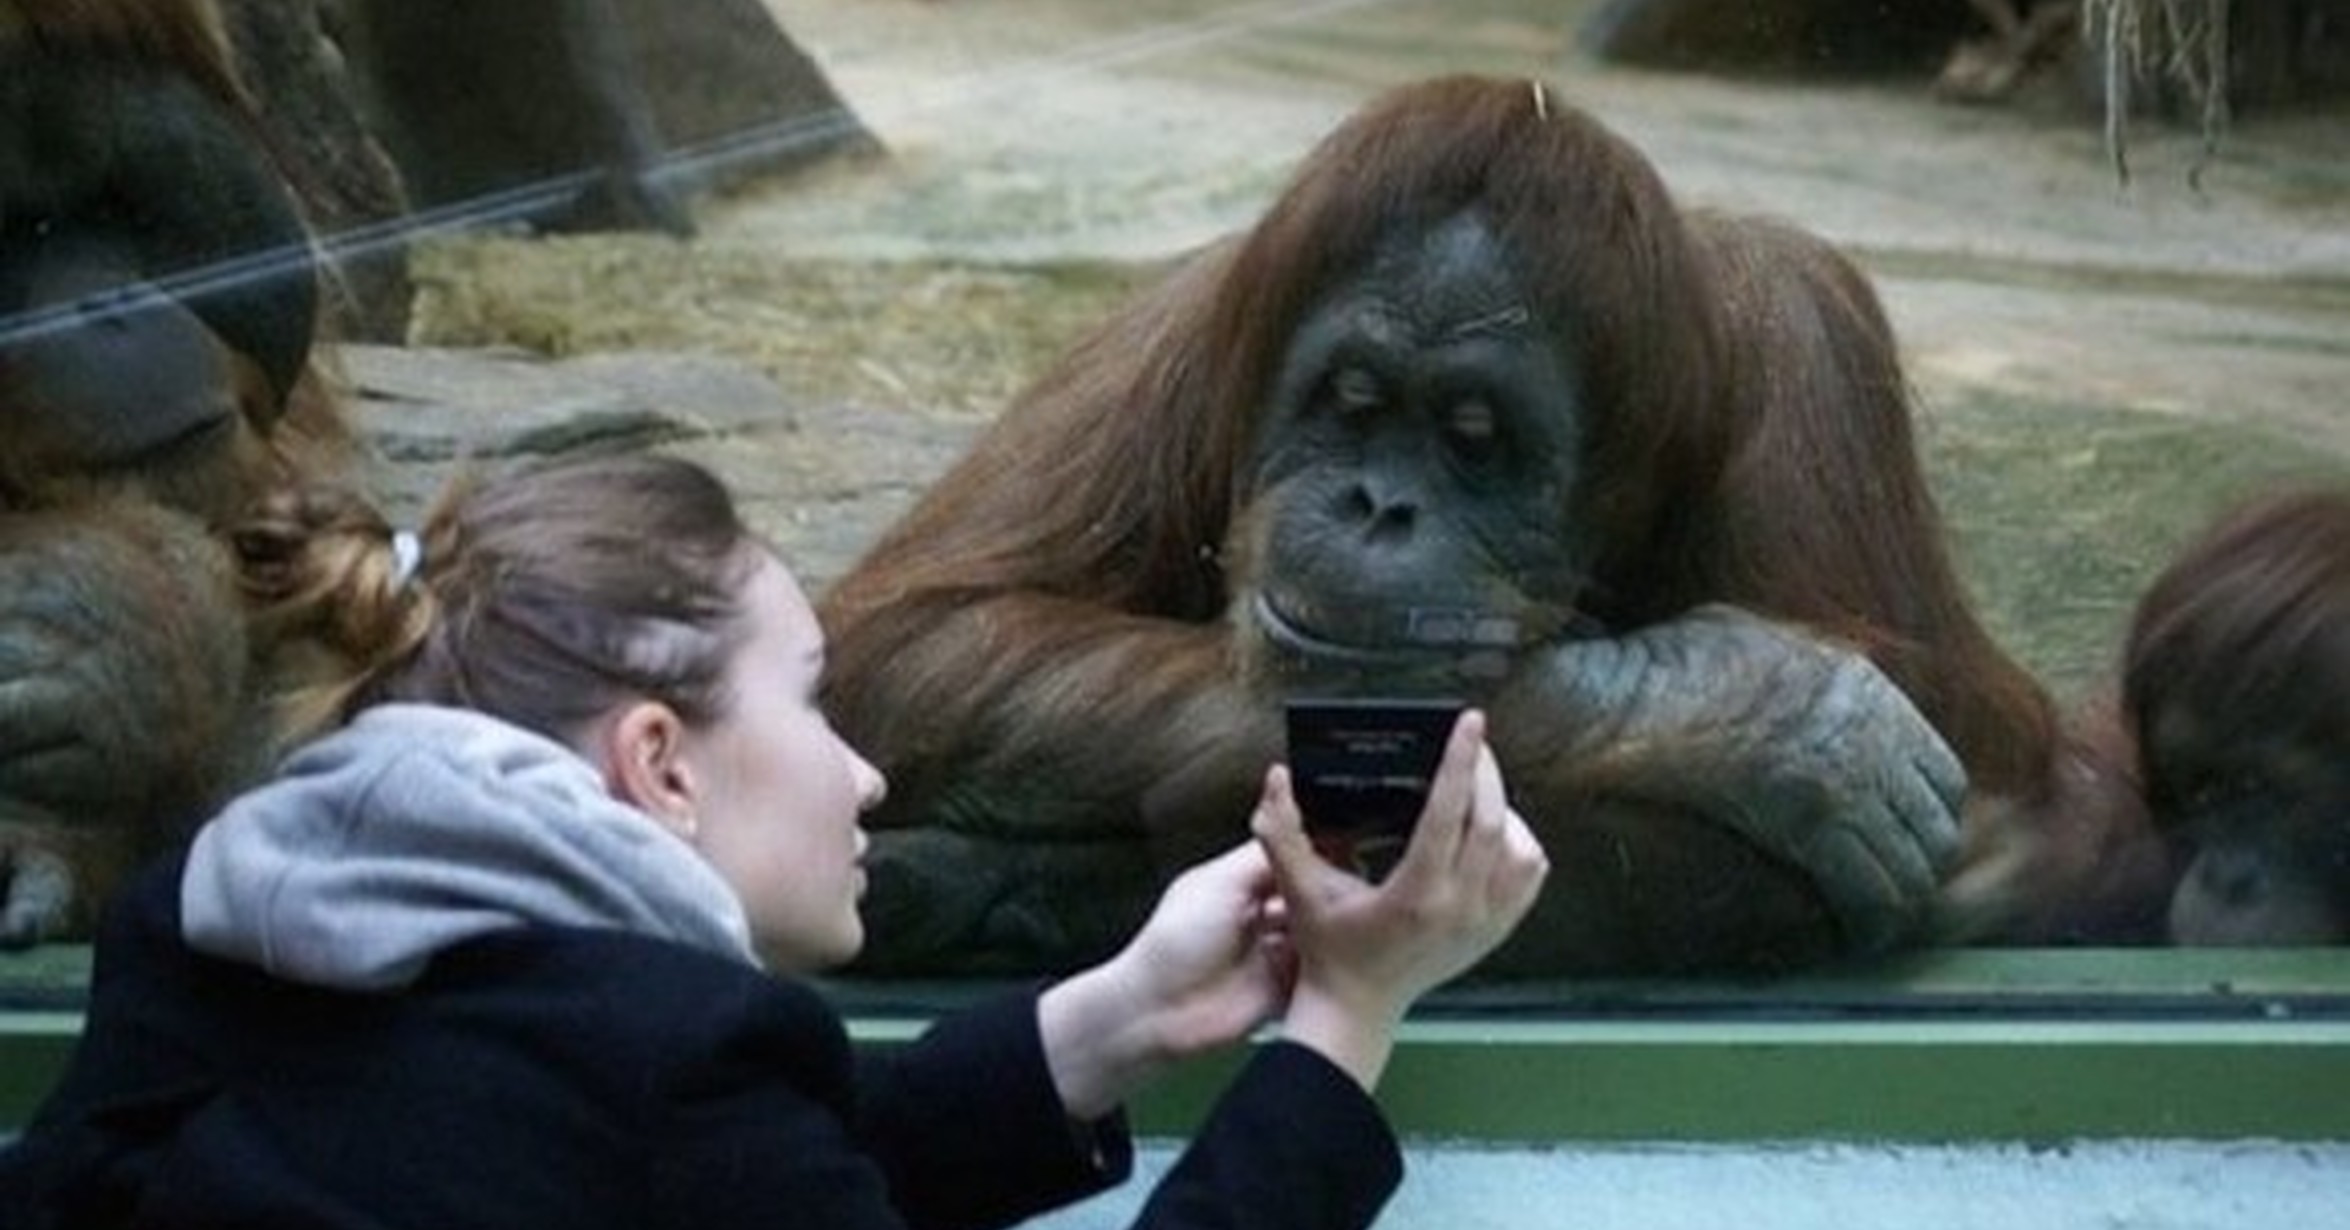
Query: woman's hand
{"x": 1207, "y": 967}
{"x": 1270, "y": 923}
{"x": 1365, "y": 951}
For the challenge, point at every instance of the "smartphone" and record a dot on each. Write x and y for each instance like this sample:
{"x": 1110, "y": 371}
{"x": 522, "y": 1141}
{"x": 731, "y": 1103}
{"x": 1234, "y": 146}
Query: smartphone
{"x": 1361, "y": 767}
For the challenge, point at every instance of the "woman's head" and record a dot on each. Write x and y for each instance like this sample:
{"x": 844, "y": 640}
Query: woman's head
{"x": 767, "y": 792}
{"x": 543, "y": 596}
{"x": 562, "y": 590}
{"x": 619, "y": 605}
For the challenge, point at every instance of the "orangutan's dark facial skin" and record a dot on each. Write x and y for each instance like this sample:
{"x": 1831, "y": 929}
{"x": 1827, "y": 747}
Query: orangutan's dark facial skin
{"x": 1418, "y": 461}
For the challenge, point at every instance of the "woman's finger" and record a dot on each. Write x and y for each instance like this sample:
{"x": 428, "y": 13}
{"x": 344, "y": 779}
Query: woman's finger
{"x": 1444, "y": 818}
{"x": 1484, "y": 842}
{"x": 1526, "y": 866}
{"x": 1299, "y": 873}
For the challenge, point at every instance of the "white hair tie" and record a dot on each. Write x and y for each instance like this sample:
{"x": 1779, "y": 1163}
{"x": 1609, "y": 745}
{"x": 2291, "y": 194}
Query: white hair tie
{"x": 407, "y": 556}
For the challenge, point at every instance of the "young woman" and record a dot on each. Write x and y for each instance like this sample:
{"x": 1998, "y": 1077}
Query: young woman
{"x": 513, "y": 943}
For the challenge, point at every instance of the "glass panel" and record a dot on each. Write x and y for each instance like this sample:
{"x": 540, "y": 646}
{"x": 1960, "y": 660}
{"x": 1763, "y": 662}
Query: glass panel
{"x": 1471, "y": 409}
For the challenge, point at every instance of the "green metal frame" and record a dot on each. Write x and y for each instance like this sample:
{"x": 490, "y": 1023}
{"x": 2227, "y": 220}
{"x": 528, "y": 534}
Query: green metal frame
{"x": 2035, "y": 1046}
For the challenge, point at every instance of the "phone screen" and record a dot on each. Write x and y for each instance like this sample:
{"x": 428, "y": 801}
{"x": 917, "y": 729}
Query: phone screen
{"x": 1362, "y": 767}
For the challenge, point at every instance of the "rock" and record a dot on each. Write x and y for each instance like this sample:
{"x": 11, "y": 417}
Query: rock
{"x": 585, "y": 115}
{"x": 820, "y": 481}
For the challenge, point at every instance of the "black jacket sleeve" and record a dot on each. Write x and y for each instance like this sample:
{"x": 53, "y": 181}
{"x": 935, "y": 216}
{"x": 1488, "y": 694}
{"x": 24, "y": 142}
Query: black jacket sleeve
{"x": 958, "y": 1130}
{"x": 967, "y": 1125}
{"x": 1294, "y": 1144}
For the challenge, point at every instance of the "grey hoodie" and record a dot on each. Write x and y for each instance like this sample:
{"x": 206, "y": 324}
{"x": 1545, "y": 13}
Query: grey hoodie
{"x": 414, "y": 828}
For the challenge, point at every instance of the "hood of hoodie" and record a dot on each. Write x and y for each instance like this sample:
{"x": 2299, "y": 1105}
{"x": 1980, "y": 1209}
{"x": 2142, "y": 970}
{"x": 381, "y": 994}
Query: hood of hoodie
{"x": 415, "y": 828}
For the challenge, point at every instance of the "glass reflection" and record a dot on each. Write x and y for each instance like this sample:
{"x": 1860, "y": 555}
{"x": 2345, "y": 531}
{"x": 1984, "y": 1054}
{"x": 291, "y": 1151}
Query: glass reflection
{"x": 828, "y": 291}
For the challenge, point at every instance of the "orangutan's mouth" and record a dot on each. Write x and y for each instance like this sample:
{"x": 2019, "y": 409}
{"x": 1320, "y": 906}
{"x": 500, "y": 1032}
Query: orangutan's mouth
{"x": 1422, "y": 630}
{"x": 1293, "y": 635}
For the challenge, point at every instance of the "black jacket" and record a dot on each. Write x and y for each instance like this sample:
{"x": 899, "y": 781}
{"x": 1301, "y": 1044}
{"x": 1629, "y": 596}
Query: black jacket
{"x": 583, "y": 1078}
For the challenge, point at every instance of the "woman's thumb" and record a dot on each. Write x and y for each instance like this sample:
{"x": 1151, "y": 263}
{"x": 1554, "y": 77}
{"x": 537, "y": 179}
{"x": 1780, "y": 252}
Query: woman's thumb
{"x": 1280, "y": 830}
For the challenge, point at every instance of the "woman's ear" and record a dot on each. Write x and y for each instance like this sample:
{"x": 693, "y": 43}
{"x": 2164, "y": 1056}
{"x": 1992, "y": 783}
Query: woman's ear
{"x": 643, "y": 754}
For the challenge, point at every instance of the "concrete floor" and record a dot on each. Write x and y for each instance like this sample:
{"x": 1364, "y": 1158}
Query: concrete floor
{"x": 2105, "y": 1186}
